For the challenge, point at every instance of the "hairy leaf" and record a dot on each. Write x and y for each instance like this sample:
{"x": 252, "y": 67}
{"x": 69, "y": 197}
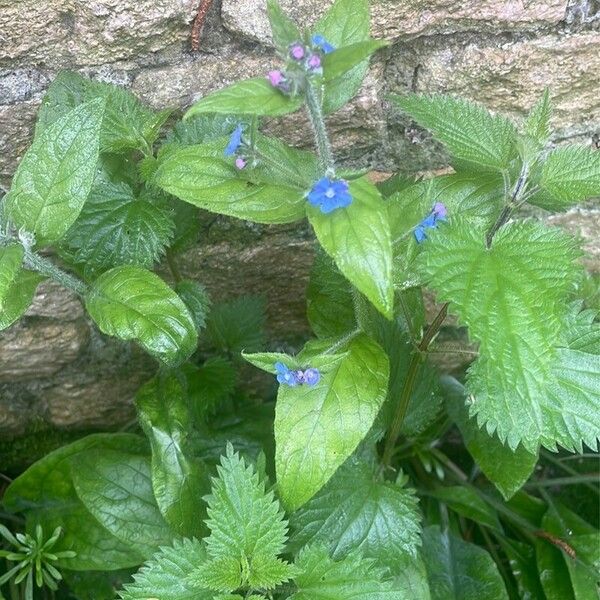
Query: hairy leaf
{"x": 19, "y": 297}
{"x": 470, "y": 133}
{"x": 537, "y": 124}
{"x": 195, "y": 297}
{"x": 318, "y": 427}
{"x": 344, "y": 59}
{"x": 133, "y": 304}
{"x": 54, "y": 178}
{"x": 285, "y": 31}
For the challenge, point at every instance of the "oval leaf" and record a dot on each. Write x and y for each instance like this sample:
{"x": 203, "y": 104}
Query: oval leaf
{"x": 11, "y": 259}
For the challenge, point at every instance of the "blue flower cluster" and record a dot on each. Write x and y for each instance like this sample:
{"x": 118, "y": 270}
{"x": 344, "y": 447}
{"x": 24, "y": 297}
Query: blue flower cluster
{"x": 322, "y": 44}
{"x": 296, "y": 377}
{"x": 438, "y": 213}
{"x": 329, "y": 194}
{"x": 234, "y": 145}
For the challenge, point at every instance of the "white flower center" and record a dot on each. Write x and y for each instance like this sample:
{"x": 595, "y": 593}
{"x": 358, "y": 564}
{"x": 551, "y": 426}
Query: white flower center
{"x": 330, "y": 193}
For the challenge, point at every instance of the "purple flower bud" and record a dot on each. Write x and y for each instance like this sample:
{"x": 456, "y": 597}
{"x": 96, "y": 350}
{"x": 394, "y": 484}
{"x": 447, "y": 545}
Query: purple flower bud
{"x": 240, "y": 162}
{"x": 314, "y": 62}
{"x": 312, "y": 376}
{"x": 276, "y": 78}
{"x": 297, "y": 51}
{"x": 440, "y": 211}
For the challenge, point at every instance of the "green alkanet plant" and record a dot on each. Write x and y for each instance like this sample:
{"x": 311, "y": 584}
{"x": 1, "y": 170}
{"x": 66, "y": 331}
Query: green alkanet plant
{"x": 362, "y": 471}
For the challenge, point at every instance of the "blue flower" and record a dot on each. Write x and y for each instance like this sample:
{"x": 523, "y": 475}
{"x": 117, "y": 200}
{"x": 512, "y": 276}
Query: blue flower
{"x": 438, "y": 213}
{"x": 235, "y": 141}
{"x": 310, "y": 376}
{"x": 329, "y": 194}
{"x": 320, "y": 42}
{"x": 285, "y": 375}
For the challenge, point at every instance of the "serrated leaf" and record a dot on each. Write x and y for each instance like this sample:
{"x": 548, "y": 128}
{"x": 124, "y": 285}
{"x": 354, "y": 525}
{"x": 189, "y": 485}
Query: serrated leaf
{"x": 342, "y": 60}
{"x": 179, "y": 480}
{"x": 537, "y": 124}
{"x": 508, "y": 470}
{"x": 470, "y": 133}
{"x": 527, "y": 384}
{"x": 205, "y": 128}
{"x": 187, "y": 226}
{"x": 284, "y": 30}
{"x": 248, "y": 97}
{"x": 358, "y": 239}
{"x": 55, "y": 176}
{"x": 133, "y": 304}
{"x": 195, "y": 297}
{"x": 19, "y": 297}
{"x": 116, "y": 488}
{"x": 166, "y": 575}
{"x": 116, "y": 228}
{"x": 45, "y": 492}
{"x": 356, "y": 512}
{"x": 569, "y": 175}
{"x": 458, "y": 569}
{"x": 348, "y": 579}
{"x": 318, "y": 427}
{"x": 345, "y": 23}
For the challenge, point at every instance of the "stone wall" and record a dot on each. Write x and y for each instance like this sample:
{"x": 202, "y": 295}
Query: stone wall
{"x": 55, "y": 370}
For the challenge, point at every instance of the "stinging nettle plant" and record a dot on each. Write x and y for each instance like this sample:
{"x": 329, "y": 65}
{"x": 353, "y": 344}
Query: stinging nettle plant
{"x": 351, "y": 484}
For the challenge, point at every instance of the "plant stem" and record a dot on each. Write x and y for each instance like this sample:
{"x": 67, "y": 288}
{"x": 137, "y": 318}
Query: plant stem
{"x": 42, "y": 265}
{"x": 173, "y": 267}
{"x": 575, "y": 479}
{"x": 409, "y": 384}
{"x": 315, "y": 112}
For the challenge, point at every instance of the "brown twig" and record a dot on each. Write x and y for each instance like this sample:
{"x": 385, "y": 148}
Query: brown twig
{"x": 199, "y": 22}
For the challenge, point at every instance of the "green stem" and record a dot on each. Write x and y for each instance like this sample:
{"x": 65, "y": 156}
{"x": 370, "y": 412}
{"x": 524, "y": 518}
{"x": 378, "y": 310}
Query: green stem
{"x": 42, "y": 265}
{"x": 575, "y": 479}
{"x": 567, "y": 469}
{"x": 315, "y": 112}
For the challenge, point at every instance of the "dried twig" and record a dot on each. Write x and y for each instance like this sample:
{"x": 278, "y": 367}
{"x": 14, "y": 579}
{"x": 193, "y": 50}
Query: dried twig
{"x": 199, "y": 22}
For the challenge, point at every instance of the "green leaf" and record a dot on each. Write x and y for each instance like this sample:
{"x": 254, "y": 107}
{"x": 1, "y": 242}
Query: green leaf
{"x": 166, "y": 575}
{"x": 469, "y": 504}
{"x": 318, "y": 427}
{"x": 527, "y": 384}
{"x": 569, "y": 175}
{"x": 11, "y": 259}
{"x": 358, "y": 239}
{"x": 116, "y": 487}
{"x": 248, "y": 531}
{"x": 470, "y": 133}
{"x": 249, "y": 97}
{"x": 204, "y": 128}
{"x": 342, "y": 60}
{"x": 508, "y": 470}
{"x": 196, "y": 174}
{"x": 45, "y": 492}
{"x": 411, "y": 578}
{"x": 179, "y": 481}
{"x": 458, "y": 569}
{"x": 116, "y": 228}
{"x": 537, "y": 124}
{"x": 133, "y": 304}
{"x": 54, "y": 178}
{"x": 238, "y": 325}
{"x": 187, "y": 226}
{"x": 196, "y": 299}
{"x": 348, "y": 579}
{"x": 345, "y": 23}
{"x": 19, "y": 297}
{"x": 523, "y": 566}
{"x": 355, "y": 512}
{"x": 285, "y": 31}
{"x": 126, "y": 125}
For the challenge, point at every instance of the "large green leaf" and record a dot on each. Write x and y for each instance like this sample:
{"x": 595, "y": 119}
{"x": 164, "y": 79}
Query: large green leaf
{"x": 249, "y": 97}
{"x": 345, "y": 23}
{"x": 55, "y": 176}
{"x": 285, "y": 31}
{"x": 355, "y": 511}
{"x": 318, "y": 427}
{"x": 527, "y": 384}
{"x": 18, "y": 297}
{"x": 342, "y": 60}
{"x": 45, "y": 492}
{"x": 179, "y": 481}
{"x": 134, "y": 304}
{"x": 470, "y": 133}
{"x": 196, "y": 299}
{"x": 166, "y": 575}
{"x": 507, "y": 469}
{"x": 358, "y": 239}
{"x": 459, "y": 570}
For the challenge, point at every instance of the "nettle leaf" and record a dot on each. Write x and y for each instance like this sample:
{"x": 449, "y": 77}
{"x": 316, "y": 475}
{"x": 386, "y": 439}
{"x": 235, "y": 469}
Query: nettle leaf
{"x": 569, "y": 175}
{"x": 345, "y": 23}
{"x": 471, "y": 134}
{"x": 179, "y": 481}
{"x": 166, "y": 575}
{"x": 351, "y": 578}
{"x": 187, "y": 226}
{"x": 205, "y": 127}
{"x": 285, "y": 31}
{"x": 358, "y": 239}
{"x": 527, "y": 384}
{"x": 248, "y": 531}
{"x": 507, "y": 469}
{"x": 46, "y": 494}
{"x": 248, "y": 97}
{"x": 202, "y": 176}
{"x": 537, "y": 124}
{"x": 116, "y": 228}
{"x": 55, "y": 176}
{"x": 460, "y": 570}
{"x": 134, "y": 304}
{"x": 196, "y": 299}
{"x": 342, "y": 60}
{"x": 116, "y": 487}
{"x": 318, "y": 427}
{"x": 356, "y": 512}
{"x": 126, "y": 125}
{"x": 18, "y": 297}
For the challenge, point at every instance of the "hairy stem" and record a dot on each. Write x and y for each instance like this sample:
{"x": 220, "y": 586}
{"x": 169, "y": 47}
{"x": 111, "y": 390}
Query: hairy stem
{"x": 409, "y": 384}
{"x": 42, "y": 265}
{"x": 315, "y": 112}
